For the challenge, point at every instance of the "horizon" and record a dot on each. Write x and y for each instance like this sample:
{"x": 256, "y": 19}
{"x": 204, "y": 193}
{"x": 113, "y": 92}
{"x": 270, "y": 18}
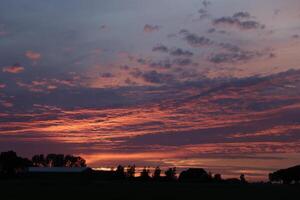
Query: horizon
{"x": 196, "y": 83}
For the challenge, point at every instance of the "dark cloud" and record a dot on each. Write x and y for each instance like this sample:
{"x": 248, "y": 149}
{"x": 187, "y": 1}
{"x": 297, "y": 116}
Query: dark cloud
{"x": 213, "y": 30}
{"x": 125, "y": 67}
{"x": 160, "y": 48}
{"x": 234, "y": 54}
{"x": 173, "y": 52}
{"x": 106, "y": 75}
{"x": 203, "y": 13}
{"x": 231, "y": 57}
{"x": 183, "y": 61}
{"x": 206, "y": 3}
{"x": 237, "y": 21}
{"x": 166, "y": 63}
{"x": 277, "y": 12}
{"x": 230, "y": 47}
{"x": 104, "y": 27}
{"x": 241, "y": 15}
{"x": 151, "y": 28}
{"x": 157, "y": 78}
{"x": 296, "y": 36}
{"x": 181, "y": 52}
{"x": 195, "y": 40}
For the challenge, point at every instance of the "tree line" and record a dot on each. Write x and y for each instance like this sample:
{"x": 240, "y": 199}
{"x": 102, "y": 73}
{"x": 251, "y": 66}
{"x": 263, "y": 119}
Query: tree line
{"x": 11, "y": 165}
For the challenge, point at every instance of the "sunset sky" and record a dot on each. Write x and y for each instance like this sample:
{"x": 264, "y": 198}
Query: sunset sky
{"x": 186, "y": 83}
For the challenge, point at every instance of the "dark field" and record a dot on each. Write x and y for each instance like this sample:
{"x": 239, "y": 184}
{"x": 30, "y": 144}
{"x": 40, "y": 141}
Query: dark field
{"x": 16, "y": 189}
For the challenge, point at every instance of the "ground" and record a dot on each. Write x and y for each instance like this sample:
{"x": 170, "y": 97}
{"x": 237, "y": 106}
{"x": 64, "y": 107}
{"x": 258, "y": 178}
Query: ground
{"x": 16, "y": 189}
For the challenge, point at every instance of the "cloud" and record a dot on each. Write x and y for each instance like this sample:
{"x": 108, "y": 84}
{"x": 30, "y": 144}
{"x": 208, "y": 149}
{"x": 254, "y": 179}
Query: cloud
{"x": 166, "y": 63}
{"x": 6, "y": 104}
{"x": 237, "y": 20}
{"x": 104, "y": 28}
{"x": 2, "y": 85}
{"x": 151, "y": 28}
{"x": 160, "y": 48}
{"x": 232, "y": 57}
{"x": 195, "y": 40}
{"x": 3, "y": 33}
{"x": 183, "y": 61}
{"x": 153, "y": 76}
{"x": 230, "y": 47}
{"x": 213, "y": 30}
{"x": 157, "y": 78}
{"x": 206, "y": 3}
{"x": 241, "y": 15}
{"x": 236, "y": 54}
{"x": 180, "y": 52}
{"x": 107, "y": 75}
{"x": 296, "y": 36}
{"x": 203, "y": 13}
{"x": 14, "y": 69}
{"x": 33, "y": 56}
{"x": 173, "y": 52}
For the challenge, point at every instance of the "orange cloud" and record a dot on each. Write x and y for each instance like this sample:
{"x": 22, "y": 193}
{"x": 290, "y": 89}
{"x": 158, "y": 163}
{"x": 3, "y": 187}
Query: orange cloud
{"x": 151, "y": 28}
{"x": 33, "y": 56}
{"x": 15, "y": 69}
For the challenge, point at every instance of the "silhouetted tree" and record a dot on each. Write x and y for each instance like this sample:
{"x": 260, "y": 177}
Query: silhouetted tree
{"x": 58, "y": 160}
{"x": 145, "y": 174}
{"x": 195, "y": 175}
{"x": 39, "y": 161}
{"x": 120, "y": 172}
{"x": 286, "y": 176}
{"x": 218, "y": 178}
{"x": 157, "y": 173}
{"x": 74, "y": 161}
{"x": 11, "y": 164}
{"x": 243, "y": 178}
{"x": 130, "y": 172}
{"x": 55, "y": 160}
{"x": 171, "y": 174}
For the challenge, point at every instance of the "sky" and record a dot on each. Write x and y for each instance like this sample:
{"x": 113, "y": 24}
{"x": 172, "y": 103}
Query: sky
{"x": 193, "y": 83}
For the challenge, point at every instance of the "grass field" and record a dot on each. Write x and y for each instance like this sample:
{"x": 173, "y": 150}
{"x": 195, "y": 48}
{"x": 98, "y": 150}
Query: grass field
{"x": 17, "y": 189}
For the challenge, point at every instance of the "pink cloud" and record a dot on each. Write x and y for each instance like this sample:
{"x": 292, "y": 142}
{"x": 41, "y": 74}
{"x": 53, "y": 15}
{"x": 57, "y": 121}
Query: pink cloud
{"x": 14, "y": 69}
{"x": 2, "y": 85}
{"x": 3, "y": 33}
{"x": 151, "y": 28}
{"x": 33, "y": 56}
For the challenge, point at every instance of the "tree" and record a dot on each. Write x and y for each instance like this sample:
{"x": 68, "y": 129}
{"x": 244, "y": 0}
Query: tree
{"x": 39, "y": 161}
{"x": 243, "y": 179}
{"x": 195, "y": 175}
{"x": 218, "y": 178}
{"x": 55, "y": 160}
{"x": 59, "y": 160}
{"x": 11, "y": 164}
{"x": 156, "y": 174}
{"x": 74, "y": 161}
{"x": 286, "y": 176}
{"x": 145, "y": 174}
{"x": 171, "y": 174}
{"x": 120, "y": 172}
{"x": 130, "y": 171}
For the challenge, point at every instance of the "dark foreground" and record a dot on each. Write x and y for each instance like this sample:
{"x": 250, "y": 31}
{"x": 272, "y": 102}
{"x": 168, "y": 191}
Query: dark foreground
{"x": 29, "y": 189}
